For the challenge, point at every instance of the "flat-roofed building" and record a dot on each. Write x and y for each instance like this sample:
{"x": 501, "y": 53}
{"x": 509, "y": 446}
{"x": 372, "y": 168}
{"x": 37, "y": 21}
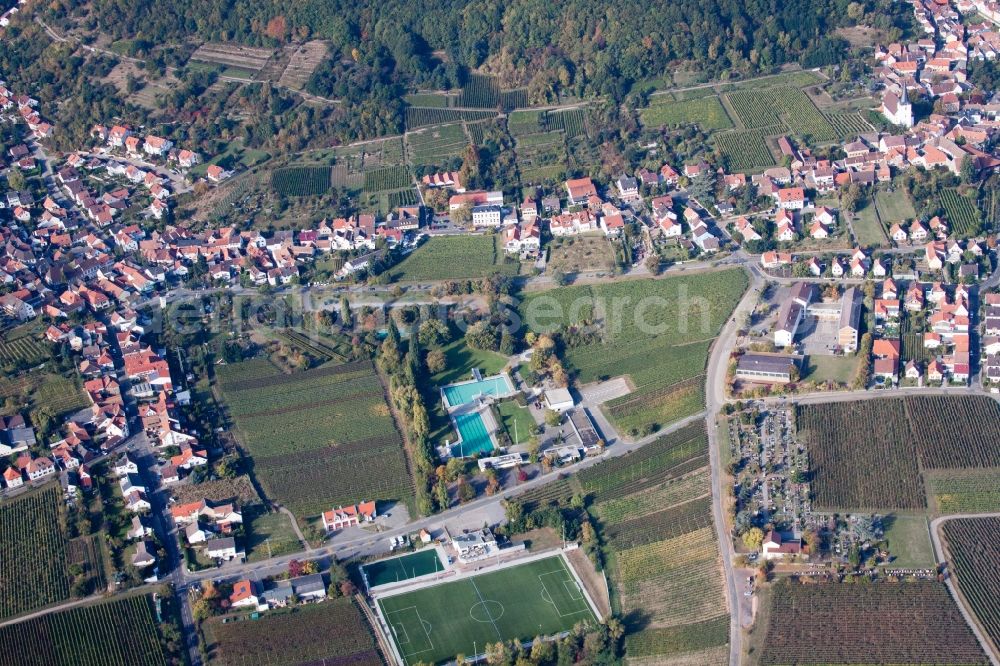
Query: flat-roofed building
{"x": 766, "y": 368}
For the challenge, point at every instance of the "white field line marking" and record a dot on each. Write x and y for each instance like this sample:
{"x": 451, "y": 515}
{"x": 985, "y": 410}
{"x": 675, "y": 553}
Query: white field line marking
{"x": 476, "y": 588}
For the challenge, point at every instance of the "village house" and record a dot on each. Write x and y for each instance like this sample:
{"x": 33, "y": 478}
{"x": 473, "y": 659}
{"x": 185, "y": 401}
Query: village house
{"x": 580, "y": 190}
{"x": 349, "y": 516}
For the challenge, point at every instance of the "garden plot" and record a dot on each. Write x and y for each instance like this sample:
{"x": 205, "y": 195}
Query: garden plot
{"x": 233, "y": 56}
{"x": 303, "y": 62}
{"x": 706, "y": 112}
{"x": 540, "y": 156}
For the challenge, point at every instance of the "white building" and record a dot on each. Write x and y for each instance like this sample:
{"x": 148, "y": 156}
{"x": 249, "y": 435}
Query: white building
{"x": 487, "y": 216}
{"x": 558, "y": 399}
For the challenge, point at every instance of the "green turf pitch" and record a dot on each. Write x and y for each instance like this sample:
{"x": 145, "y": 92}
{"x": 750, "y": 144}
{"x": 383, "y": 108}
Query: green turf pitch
{"x": 396, "y": 569}
{"x": 435, "y": 623}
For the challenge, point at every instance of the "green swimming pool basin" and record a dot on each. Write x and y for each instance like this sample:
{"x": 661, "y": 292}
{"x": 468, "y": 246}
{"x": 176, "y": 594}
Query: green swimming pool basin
{"x": 475, "y": 438}
{"x": 466, "y": 392}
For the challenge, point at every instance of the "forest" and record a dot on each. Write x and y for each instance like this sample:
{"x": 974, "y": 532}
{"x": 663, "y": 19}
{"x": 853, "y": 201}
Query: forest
{"x": 379, "y": 51}
{"x": 578, "y": 47}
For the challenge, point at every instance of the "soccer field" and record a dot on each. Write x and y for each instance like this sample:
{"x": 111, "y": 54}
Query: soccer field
{"x": 397, "y": 569}
{"x": 436, "y": 623}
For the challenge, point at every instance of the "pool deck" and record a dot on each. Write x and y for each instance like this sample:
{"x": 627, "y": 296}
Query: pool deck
{"x": 449, "y": 407}
{"x": 488, "y": 422}
{"x": 476, "y": 405}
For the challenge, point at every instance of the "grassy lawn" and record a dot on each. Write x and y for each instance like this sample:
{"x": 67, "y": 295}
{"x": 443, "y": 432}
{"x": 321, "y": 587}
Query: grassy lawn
{"x": 234, "y": 154}
{"x": 436, "y": 623}
{"x": 269, "y": 530}
{"x": 707, "y": 112}
{"x": 895, "y": 206}
{"x": 831, "y": 368}
{"x": 461, "y": 359}
{"x": 433, "y": 100}
{"x": 512, "y": 413}
{"x": 867, "y": 227}
{"x": 909, "y": 541}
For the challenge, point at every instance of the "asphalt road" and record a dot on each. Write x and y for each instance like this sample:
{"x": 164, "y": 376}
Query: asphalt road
{"x": 715, "y": 397}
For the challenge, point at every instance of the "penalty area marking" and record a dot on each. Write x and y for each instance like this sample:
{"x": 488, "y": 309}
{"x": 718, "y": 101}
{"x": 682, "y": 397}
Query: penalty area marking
{"x": 426, "y": 626}
{"x": 547, "y": 596}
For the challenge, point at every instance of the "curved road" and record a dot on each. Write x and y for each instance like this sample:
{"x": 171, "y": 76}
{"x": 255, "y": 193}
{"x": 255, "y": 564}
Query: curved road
{"x": 970, "y": 619}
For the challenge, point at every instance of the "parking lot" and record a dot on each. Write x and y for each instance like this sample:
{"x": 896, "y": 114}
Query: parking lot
{"x": 818, "y": 336}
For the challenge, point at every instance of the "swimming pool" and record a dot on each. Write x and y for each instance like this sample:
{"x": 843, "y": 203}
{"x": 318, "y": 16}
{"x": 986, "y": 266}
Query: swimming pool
{"x": 460, "y": 394}
{"x": 475, "y": 437}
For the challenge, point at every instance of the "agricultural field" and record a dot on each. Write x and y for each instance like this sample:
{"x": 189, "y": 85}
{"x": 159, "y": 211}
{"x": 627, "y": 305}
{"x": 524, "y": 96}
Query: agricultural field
{"x": 627, "y": 338}
{"x": 849, "y": 125}
{"x": 744, "y": 151}
{"x": 433, "y": 624}
{"x": 702, "y": 643}
{"x": 302, "y": 63}
{"x": 387, "y": 178}
{"x": 781, "y": 109}
{"x": 799, "y": 79}
{"x": 526, "y": 122}
{"x": 47, "y": 394}
{"x": 483, "y": 92}
{"x": 898, "y": 438}
{"x": 668, "y": 457}
{"x": 960, "y": 212}
{"x": 571, "y": 122}
{"x": 753, "y": 109}
{"x": 911, "y": 623}
{"x": 652, "y": 508}
{"x": 437, "y": 145}
{"x": 654, "y": 511}
{"x": 706, "y": 112}
{"x": 23, "y": 346}
{"x": 33, "y": 564}
{"x": 301, "y": 181}
{"x": 876, "y": 439}
{"x": 356, "y": 159}
{"x": 633, "y": 412}
{"x": 121, "y": 632}
{"x": 236, "y": 58}
{"x": 310, "y": 432}
{"x": 644, "y": 502}
{"x": 417, "y": 117}
{"x": 973, "y": 546}
{"x": 454, "y": 258}
{"x": 477, "y": 131}
{"x": 674, "y": 521}
{"x": 540, "y": 157}
{"x": 334, "y": 631}
{"x": 430, "y": 100}
{"x": 964, "y": 491}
